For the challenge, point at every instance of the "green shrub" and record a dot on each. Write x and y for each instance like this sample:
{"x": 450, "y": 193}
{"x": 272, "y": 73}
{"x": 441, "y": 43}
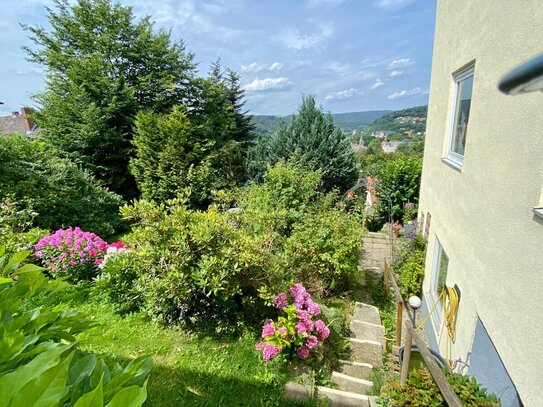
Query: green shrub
{"x": 40, "y": 363}
{"x": 221, "y": 267}
{"x": 422, "y": 391}
{"x": 16, "y": 231}
{"x": 412, "y": 274}
{"x": 117, "y": 280}
{"x": 324, "y": 250}
{"x": 409, "y": 265}
{"x": 58, "y": 191}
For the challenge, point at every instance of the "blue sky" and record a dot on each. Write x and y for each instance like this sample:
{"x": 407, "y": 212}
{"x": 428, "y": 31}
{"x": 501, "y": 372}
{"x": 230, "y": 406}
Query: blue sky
{"x": 353, "y": 55}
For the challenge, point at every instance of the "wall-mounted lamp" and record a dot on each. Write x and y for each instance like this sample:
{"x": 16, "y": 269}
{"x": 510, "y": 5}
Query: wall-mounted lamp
{"x": 525, "y": 78}
{"x": 415, "y": 303}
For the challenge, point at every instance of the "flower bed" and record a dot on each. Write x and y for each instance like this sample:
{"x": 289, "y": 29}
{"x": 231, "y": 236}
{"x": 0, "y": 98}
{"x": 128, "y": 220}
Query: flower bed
{"x": 296, "y": 332}
{"x": 73, "y": 253}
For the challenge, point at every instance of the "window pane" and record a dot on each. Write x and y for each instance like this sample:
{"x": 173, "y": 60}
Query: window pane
{"x": 461, "y": 117}
{"x": 442, "y": 270}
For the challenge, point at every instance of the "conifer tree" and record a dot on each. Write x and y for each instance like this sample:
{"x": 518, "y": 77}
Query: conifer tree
{"x": 316, "y": 142}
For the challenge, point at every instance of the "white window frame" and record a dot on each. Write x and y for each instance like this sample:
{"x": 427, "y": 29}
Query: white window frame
{"x": 453, "y": 158}
{"x": 437, "y": 315}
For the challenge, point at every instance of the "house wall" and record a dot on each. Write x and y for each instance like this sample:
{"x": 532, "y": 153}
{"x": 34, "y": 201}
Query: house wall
{"x": 482, "y": 214}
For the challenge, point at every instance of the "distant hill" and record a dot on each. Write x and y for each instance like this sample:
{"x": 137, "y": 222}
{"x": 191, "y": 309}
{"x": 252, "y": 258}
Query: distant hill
{"x": 347, "y": 121}
{"x": 388, "y": 121}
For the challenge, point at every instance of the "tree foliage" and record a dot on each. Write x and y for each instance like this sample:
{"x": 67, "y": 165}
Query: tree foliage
{"x": 103, "y": 66}
{"x": 317, "y": 143}
{"x": 59, "y": 191}
{"x": 399, "y": 179}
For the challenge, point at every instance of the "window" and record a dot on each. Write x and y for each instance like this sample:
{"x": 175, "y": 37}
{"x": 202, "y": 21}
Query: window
{"x": 439, "y": 278}
{"x": 460, "y": 116}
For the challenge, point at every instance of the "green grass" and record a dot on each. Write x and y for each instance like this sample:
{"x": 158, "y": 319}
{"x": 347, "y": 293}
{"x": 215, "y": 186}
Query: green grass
{"x": 190, "y": 370}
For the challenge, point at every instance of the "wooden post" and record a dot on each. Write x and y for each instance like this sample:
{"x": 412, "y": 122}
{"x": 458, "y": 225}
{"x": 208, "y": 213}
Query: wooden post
{"x": 399, "y": 317}
{"x": 385, "y": 279}
{"x": 406, "y": 356}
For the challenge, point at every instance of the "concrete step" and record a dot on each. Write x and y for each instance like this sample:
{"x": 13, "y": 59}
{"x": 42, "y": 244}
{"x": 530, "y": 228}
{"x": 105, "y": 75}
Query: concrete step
{"x": 356, "y": 369}
{"x": 367, "y": 330}
{"x": 298, "y": 392}
{"x": 340, "y": 398}
{"x": 352, "y": 384}
{"x": 366, "y": 351}
{"x": 366, "y": 313}
{"x": 376, "y": 235}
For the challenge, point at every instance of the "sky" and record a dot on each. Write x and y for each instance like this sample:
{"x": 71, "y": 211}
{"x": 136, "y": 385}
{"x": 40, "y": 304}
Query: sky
{"x": 353, "y": 55}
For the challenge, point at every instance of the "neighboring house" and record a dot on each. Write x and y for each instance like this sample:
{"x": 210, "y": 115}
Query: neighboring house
{"x": 381, "y": 134}
{"x": 482, "y": 176}
{"x": 19, "y": 123}
{"x": 391, "y": 146}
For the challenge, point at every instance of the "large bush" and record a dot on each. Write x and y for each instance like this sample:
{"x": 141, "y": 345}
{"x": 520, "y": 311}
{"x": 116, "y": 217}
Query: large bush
{"x": 58, "y": 191}
{"x": 40, "y": 364}
{"x": 221, "y": 266}
{"x": 319, "y": 143}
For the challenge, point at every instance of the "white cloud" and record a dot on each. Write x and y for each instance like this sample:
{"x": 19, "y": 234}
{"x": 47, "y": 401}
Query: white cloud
{"x": 259, "y": 67}
{"x": 342, "y": 95}
{"x": 396, "y": 73}
{"x": 189, "y": 15}
{"x": 295, "y": 40}
{"x": 393, "y": 3}
{"x": 259, "y": 85}
{"x": 402, "y": 93}
{"x": 378, "y": 83}
{"x": 400, "y": 63}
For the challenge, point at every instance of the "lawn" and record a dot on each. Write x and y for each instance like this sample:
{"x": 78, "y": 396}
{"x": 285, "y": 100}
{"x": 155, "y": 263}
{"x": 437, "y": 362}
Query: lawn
{"x": 190, "y": 370}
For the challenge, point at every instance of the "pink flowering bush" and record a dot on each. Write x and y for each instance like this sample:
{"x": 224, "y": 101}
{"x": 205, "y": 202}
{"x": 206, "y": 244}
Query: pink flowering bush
{"x": 71, "y": 252}
{"x": 298, "y": 332}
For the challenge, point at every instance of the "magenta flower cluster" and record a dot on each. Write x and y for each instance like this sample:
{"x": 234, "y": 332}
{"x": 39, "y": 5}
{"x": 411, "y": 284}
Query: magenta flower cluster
{"x": 296, "y": 331}
{"x": 71, "y": 252}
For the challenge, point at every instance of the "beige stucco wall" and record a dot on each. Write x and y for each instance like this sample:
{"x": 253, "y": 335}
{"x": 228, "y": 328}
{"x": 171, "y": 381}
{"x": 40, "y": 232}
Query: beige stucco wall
{"x": 483, "y": 214}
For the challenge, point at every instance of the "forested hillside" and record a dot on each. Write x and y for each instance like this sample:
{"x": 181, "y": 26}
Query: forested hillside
{"x": 389, "y": 121}
{"x": 347, "y": 121}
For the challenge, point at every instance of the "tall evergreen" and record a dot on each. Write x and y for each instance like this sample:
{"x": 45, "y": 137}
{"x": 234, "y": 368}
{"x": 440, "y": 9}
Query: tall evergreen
{"x": 312, "y": 137}
{"x": 103, "y": 66}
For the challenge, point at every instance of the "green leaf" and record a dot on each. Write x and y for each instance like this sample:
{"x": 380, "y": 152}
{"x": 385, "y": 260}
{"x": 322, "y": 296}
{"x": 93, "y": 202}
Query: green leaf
{"x": 46, "y": 389}
{"x": 94, "y": 398}
{"x": 133, "y": 396}
{"x": 12, "y": 383}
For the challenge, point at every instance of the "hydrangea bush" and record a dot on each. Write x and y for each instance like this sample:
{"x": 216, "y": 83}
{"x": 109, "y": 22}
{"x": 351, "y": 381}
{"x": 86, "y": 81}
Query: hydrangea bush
{"x": 298, "y": 332}
{"x": 71, "y": 252}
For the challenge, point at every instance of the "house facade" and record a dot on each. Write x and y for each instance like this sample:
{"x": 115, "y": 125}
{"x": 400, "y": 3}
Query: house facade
{"x": 482, "y": 178}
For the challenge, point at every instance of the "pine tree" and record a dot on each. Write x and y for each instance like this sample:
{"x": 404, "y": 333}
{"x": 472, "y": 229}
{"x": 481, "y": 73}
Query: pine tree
{"x": 312, "y": 137}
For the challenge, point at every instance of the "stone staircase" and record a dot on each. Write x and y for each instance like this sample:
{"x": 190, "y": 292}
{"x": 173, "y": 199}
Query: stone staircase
{"x": 353, "y": 378}
{"x": 377, "y": 246}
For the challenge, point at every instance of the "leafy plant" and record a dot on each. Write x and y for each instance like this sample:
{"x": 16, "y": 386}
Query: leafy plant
{"x": 422, "y": 391}
{"x": 40, "y": 363}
